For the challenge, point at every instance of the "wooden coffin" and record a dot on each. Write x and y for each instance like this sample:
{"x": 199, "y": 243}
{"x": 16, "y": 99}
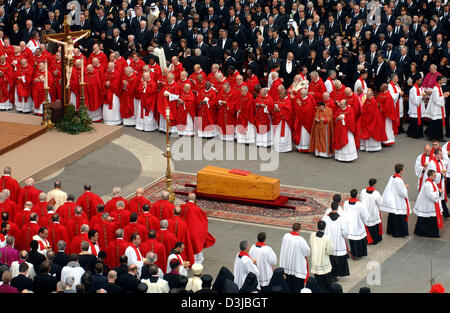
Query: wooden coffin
{"x": 219, "y": 181}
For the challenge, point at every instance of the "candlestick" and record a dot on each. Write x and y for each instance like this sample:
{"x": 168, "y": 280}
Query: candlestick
{"x": 82, "y": 70}
{"x": 46, "y": 76}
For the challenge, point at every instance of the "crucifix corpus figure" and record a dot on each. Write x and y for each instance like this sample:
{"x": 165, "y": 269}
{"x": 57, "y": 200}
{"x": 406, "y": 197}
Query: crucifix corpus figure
{"x": 68, "y": 53}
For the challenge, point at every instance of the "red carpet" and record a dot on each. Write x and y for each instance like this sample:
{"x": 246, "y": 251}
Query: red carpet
{"x": 307, "y": 213}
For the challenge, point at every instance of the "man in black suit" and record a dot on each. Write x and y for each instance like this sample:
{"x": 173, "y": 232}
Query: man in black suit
{"x": 238, "y": 55}
{"x": 328, "y": 64}
{"x": 172, "y": 276}
{"x": 99, "y": 23}
{"x": 21, "y": 281}
{"x": 170, "y": 49}
{"x": 28, "y": 31}
{"x": 156, "y": 34}
{"x": 98, "y": 280}
{"x": 202, "y": 60}
{"x": 142, "y": 36}
{"x": 274, "y": 61}
{"x": 122, "y": 269}
{"x": 215, "y": 53}
{"x": 188, "y": 61}
{"x": 111, "y": 286}
{"x": 136, "y": 21}
{"x": 129, "y": 282}
{"x": 211, "y": 17}
{"x": 252, "y": 65}
{"x": 55, "y": 269}
{"x": 40, "y": 15}
{"x": 394, "y": 69}
{"x": 61, "y": 258}
{"x": 229, "y": 62}
{"x": 34, "y": 257}
{"x": 224, "y": 42}
{"x": 204, "y": 48}
{"x": 404, "y": 60}
{"x": 312, "y": 42}
{"x": 288, "y": 70}
{"x": 332, "y": 27}
{"x": 15, "y": 36}
{"x": 27, "y": 12}
{"x": 44, "y": 282}
{"x": 116, "y": 43}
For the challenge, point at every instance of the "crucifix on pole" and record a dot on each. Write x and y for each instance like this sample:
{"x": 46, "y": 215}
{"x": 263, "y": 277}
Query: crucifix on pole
{"x": 66, "y": 39}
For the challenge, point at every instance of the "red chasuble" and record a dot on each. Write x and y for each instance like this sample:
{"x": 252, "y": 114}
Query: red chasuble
{"x": 371, "y": 123}
{"x": 303, "y": 116}
{"x": 23, "y": 87}
{"x": 103, "y": 60}
{"x": 37, "y": 87}
{"x": 317, "y": 88}
{"x": 284, "y": 115}
{"x": 149, "y": 221}
{"x": 226, "y": 114}
{"x": 206, "y": 111}
{"x": 251, "y": 83}
{"x": 89, "y": 202}
{"x": 148, "y": 94}
{"x": 340, "y": 139}
{"x": 121, "y": 216}
{"x": 136, "y": 203}
{"x": 55, "y": 90}
{"x": 273, "y": 91}
{"x": 167, "y": 239}
{"x": 6, "y": 81}
{"x": 353, "y": 102}
{"x": 114, "y": 88}
{"x": 177, "y": 69}
{"x": 115, "y": 250}
{"x": 137, "y": 66}
{"x": 188, "y": 106}
{"x": 111, "y": 204}
{"x": 197, "y": 223}
{"x": 26, "y": 235}
{"x": 162, "y": 209}
{"x": 388, "y": 108}
{"x": 338, "y": 94}
{"x": 28, "y": 193}
{"x": 57, "y": 232}
{"x": 155, "y": 72}
{"x": 174, "y": 89}
{"x": 180, "y": 229}
{"x": 75, "y": 84}
{"x": 262, "y": 117}
{"x": 158, "y": 248}
{"x": 93, "y": 90}
{"x": 7, "y": 182}
{"x": 127, "y": 90}
{"x": 246, "y": 105}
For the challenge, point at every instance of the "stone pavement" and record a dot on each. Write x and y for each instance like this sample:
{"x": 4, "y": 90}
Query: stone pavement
{"x": 135, "y": 160}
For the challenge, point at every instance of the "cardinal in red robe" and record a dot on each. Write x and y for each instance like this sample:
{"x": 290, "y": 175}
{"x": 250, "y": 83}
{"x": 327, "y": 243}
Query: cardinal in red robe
{"x": 67, "y": 210}
{"x": 147, "y": 92}
{"x": 111, "y": 204}
{"x": 26, "y": 235}
{"x": 74, "y": 225}
{"x": 75, "y": 89}
{"x": 57, "y": 232}
{"x": 227, "y": 106}
{"x": 371, "y": 123}
{"x": 316, "y": 87}
{"x": 163, "y": 209}
{"x": 23, "y": 80}
{"x": 304, "y": 111}
{"x": 97, "y": 53}
{"x": 121, "y": 216}
{"x": 353, "y": 103}
{"x": 55, "y": 70}
{"x": 148, "y": 220}
{"x": 273, "y": 92}
{"x": 89, "y": 202}
{"x": 245, "y": 117}
{"x": 6, "y": 83}
{"x": 186, "y": 111}
{"x": 106, "y": 229}
{"x": 23, "y": 217}
{"x": 167, "y": 239}
{"x": 264, "y": 105}
{"x": 134, "y": 227}
{"x": 37, "y": 87}
{"x": 180, "y": 229}
{"x": 7, "y": 182}
{"x": 152, "y": 245}
{"x": 341, "y": 128}
{"x": 389, "y": 112}
{"x": 176, "y": 67}
{"x": 136, "y": 203}
{"x": 136, "y": 64}
{"x": 128, "y": 89}
{"x": 207, "y": 103}
{"x": 93, "y": 91}
{"x": 28, "y": 193}
{"x": 252, "y": 81}
{"x": 115, "y": 250}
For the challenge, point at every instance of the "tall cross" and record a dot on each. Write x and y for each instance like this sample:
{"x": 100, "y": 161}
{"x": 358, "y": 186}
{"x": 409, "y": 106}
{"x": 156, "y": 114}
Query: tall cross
{"x": 65, "y": 36}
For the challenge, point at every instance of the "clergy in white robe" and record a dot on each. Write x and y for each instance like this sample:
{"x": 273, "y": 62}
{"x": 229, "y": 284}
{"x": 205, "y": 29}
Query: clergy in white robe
{"x": 436, "y": 111}
{"x": 329, "y": 83}
{"x": 336, "y": 198}
{"x": 266, "y": 259}
{"x": 361, "y": 82}
{"x": 416, "y": 110}
{"x": 396, "y": 203}
{"x": 397, "y": 95}
{"x": 337, "y": 229}
{"x": 421, "y": 164}
{"x": 446, "y": 161}
{"x": 372, "y": 199}
{"x": 134, "y": 254}
{"x": 293, "y": 258}
{"x": 321, "y": 249}
{"x": 243, "y": 265}
{"x": 436, "y": 164}
{"x": 428, "y": 208}
{"x": 357, "y": 215}
{"x": 175, "y": 253}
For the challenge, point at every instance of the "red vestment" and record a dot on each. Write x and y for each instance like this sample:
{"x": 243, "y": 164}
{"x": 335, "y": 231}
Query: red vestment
{"x": 134, "y": 228}
{"x": 22, "y": 218}
{"x": 6, "y": 82}
{"x": 155, "y": 72}
{"x": 303, "y": 116}
{"x": 75, "y": 244}
{"x": 75, "y": 84}
{"x": 317, "y": 88}
{"x": 136, "y": 203}
{"x": 57, "y": 232}
{"x": 371, "y": 122}
{"x": 149, "y": 221}
{"x": 7, "y": 207}
{"x": 340, "y": 139}
{"x": 37, "y": 88}
{"x": 148, "y": 95}
{"x": 114, "y": 88}
{"x": 173, "y": 89}
{"x": 226, "y": 114}
{"x": 23, "y": 80}
{"x": 162, "y": 209}
{"x": 121, "y": 216}
{"x": 180, "y": 229}
{"x": 137, "y": 66}
{"x": 338, "y": 94}
{"x": 127, "y": 93}
{"x": 262, "y": 115}
{"x": 74, "y": 225}
{"x": 177, "y": 69}
{"x": 116, "y": 249}
{"x": 232, "y": 78}
{"x": 167, "y": 239}
{"x": 284, "y": 114}
{"x": 185, "y": 108}
{"x": 67, "y": 211}
{"x": 152, "y": 245}
{"x": 93, "y": 91}
{"x": 26, "y": 235}
{"x": 273, "y": 91}
{"x": 197, "y": 223}
{"x": 245, "y": 109}
{"x": 7, "y": 182}
{"x": 89, "y": 202}
{"x": 387, "y": 106}
{"x": 55, "y": 90}
{"x": 102, "y": 58}
{"x": 111, "y": 204}
{"x": 106, "y": 233}
{"x": 207, "y": 110}
{"x": 28, "y": 193}
{"x": 353, "y": 102}
{"x": 251, "y": 83}
{"x": 41, "y": 210}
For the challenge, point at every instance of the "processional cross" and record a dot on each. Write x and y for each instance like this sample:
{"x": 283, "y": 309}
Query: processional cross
{"x": 66, "y": 39}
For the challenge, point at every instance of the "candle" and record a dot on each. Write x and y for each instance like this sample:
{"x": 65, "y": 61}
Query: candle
{"x": 82, "y": 70}
{"x": 167, "y": 112}
{"x": 46, "y": 76}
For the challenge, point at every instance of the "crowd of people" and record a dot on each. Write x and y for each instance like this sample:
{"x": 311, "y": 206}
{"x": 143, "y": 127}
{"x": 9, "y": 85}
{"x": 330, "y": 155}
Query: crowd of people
{"x": 324, "y": 77}
{"x": 52, "y": 242}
